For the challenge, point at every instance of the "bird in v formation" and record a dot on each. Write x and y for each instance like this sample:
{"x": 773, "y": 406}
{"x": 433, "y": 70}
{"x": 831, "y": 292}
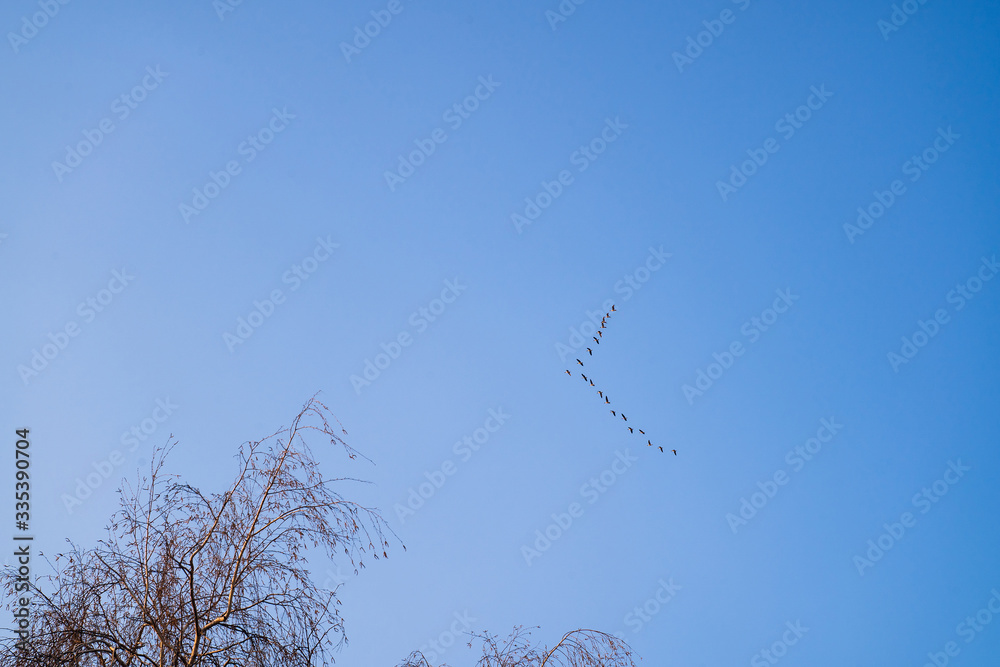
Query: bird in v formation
{"x": 607, "y": 400}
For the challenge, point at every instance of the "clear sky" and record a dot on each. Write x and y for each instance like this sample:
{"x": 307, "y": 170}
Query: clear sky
{"x": 715, "y": 154}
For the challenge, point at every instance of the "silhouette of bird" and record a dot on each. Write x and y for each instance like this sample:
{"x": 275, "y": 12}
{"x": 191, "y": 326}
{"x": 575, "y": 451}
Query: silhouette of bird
{"x": 612, "y": 307}
{"x": 630, "y": 430}
{"x": 674, "y": 451}
{"x": 601, "y": 334}
{"x": 661, "y": 449}
{"x": 600, "y": 393}
{"x": 606, "y": 401}
{"x": 597, "y": 341}
{"x": 579, "y": 362}
{"x": 649, "y": 442}
{"x": 591, "y": 351}
{"x": 591, "y": 383}
{"x": 641, "y": 431}
{"x": 624, "y": 417}
{"x": 568, "y": 373}
{"x": 613, "y": 412}
{"x": 584, "y": 377}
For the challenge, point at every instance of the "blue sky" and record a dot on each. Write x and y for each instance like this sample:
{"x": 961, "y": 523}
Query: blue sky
{"x": 293, "y": 135}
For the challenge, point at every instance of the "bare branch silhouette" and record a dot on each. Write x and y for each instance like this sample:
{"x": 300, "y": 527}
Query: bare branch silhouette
{"x": 578, "y": 648}
{"x": 188, "y": 579}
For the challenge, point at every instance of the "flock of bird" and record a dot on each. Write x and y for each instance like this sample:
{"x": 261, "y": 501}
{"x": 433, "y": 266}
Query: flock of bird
{"x": 600, "y": 392}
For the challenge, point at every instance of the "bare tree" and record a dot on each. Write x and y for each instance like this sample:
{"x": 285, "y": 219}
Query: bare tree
{"x": 186, "y": 579}
{"x": 579, "y": 648}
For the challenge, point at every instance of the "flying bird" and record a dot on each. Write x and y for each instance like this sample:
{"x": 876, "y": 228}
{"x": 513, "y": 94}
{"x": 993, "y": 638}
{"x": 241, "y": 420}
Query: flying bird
{"x": 568, "y": 373}
{"x": 606, "y": 401}
{"x": 649, "y": 442}
{"x": 613, "y": 412}
{"x": 612, "y": 307}
{"x": 597, "y": 341}
{"x": 591, "y": 383}
{"x": 591, "y": 351}
{"x": 674, "y": 451}
{"x": 579, "y": 362}
{"x": 584, "y": 377}
{"x": 624, "y": 417}
{"x": 630, "y": 430}
{"x": 661, "y": 449}
{"x": 641, "y": 431}
{"x": 600, "y": 333}
{"x": 601, "y": 393}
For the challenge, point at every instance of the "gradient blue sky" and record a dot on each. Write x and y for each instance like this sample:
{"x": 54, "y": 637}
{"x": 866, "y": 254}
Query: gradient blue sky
{"x": 495, "y": 347}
